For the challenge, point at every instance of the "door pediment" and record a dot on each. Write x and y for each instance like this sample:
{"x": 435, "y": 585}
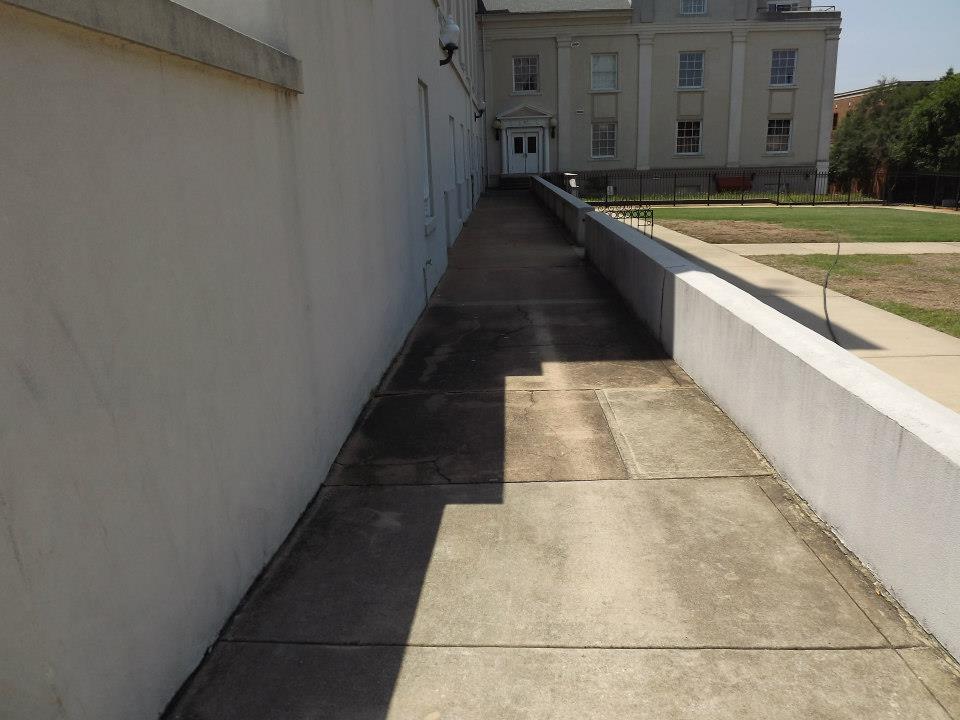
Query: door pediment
{"x": 525, "y": 112}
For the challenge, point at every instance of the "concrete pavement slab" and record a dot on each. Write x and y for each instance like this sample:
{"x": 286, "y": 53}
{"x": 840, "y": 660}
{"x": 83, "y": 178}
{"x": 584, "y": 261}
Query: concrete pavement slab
{"x": 678, "y": 433}
{"x": 940, "y": 675}
{"x": 480, "y": 437}
{"x": 897, "y": 627}
{"x": 466, "y": 328}
{"x": 549, "y": 367}
{"x": 936, "y": 376}
{"x": 866, "y": 330}
{"x": 264, "y": 682}
{"x": 699, "y": 563}
{"x": 521, "y": 284}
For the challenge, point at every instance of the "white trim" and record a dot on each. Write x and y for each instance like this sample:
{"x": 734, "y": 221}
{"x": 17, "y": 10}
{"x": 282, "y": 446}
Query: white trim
{"x": 738, "y": 69}
{"x": 644, "y": 99}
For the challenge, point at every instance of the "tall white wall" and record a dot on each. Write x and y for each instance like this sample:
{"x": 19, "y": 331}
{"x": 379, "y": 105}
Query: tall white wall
{"x": 201, "y": 280}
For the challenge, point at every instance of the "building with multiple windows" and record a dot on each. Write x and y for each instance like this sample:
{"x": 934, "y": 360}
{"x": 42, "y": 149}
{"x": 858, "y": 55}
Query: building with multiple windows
{"x": 658, "y": 84}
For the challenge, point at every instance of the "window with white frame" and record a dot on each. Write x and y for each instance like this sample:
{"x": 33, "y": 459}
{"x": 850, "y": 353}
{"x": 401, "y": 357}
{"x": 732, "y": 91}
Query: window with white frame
{"x": 604, "y": 140}
{"x": 688, "y": 137}
{"x": 426, "y": 170}
{"x": 603, "y": 71}
{"x": 783, "y": 67}
{"x": 526, "y": 74}
{"x": 691, "y": 70}
{"x": 778, "y": 136}
{"x": 693, "y": 7}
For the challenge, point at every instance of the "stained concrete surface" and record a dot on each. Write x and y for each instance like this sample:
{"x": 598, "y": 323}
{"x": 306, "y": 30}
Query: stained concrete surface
{"x": 611, "y": 546}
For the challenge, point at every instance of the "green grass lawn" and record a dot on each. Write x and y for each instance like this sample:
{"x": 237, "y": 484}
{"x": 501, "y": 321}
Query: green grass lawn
{"x": 922, "y": 288}
{"x": 853, "y": 224}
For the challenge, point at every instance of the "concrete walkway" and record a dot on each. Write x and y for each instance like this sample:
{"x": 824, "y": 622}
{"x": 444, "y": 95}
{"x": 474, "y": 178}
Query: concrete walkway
{"x": 540, "y": 516}
{"x": 925, "y": 359}
{"x": 852, "y": 248}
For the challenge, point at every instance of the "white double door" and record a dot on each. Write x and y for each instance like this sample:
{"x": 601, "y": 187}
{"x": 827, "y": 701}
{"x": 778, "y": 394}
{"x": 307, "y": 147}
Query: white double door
{"x": 524, "y": 151}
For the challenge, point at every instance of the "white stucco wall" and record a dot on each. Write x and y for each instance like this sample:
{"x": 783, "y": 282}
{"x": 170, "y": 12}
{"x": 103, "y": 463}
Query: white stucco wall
{"x": 201, "y": 280}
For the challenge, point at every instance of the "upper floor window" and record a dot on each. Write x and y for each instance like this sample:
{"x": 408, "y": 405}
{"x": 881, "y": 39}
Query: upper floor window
{"x": 603, "y": 72}
{"x": 783, "y": 67}
{"x": 693, "y": 7}
{"x": 526, "y": 74}
{"x": 691, "y": 70}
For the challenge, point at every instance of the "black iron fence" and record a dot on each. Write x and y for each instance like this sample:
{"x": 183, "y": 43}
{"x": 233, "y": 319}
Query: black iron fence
{"x": 934, "y": 189}
{"x": 783, "y": 186}
{"x": 637, "y": 216}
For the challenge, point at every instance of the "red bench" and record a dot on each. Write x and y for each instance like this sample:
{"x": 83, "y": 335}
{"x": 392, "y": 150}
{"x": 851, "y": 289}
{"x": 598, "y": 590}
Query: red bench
{"x": 733, "y": 182}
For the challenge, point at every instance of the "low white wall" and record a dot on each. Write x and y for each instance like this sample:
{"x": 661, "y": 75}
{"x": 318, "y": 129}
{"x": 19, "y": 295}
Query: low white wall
{"x": 876, "y": 460}
{"x": 571, "y": 210}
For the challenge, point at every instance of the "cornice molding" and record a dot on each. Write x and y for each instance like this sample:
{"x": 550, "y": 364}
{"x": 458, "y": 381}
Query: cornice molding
{"x": 171, "y": 28}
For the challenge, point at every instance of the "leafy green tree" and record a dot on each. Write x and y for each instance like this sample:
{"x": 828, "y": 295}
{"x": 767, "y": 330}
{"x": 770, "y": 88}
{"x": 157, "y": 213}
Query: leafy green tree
{"x": 931, "y": 132}
{"x": 871, "y": 138}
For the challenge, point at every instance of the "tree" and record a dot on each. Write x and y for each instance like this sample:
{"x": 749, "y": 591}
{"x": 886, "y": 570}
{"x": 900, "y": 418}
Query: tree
{"x": 870, "y": 140}
{"x": 931, "y": 133}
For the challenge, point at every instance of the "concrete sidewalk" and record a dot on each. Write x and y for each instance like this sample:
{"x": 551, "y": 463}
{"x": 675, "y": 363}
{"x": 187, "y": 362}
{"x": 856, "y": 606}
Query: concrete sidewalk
{"x": 852, "y": 248}
{"x": 925, "y": 359}
{"x": 539, "y": 515}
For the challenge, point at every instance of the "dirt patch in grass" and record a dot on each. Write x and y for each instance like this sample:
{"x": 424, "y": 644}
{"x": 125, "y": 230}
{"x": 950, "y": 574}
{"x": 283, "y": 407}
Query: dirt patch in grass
{"x": 922, "y": 288}
{"x": 746, "y": 231}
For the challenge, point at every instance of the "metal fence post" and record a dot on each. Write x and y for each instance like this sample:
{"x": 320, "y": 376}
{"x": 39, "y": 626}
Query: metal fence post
{"x": 936, "y": 190}
{"x": 816, "y": 181}
{"x": 641, "y": 188}
{"x": 916, "y": 188}
{"x": 674, "y": 189}
{"x": 708, "y": 189}
{"x": 779, "y": 174}
{"x": 956, "y": 200}
{"x": 849, "y": 191}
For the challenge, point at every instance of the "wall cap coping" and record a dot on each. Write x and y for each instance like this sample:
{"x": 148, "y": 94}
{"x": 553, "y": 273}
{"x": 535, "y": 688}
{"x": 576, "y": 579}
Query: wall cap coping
{"x": 166, "y": 26}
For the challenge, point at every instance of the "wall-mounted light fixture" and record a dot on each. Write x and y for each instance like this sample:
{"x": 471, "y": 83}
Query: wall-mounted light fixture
{"x": 497, "y": 127}
{"x": 481, "y": 109}
{"x": 553, "y": 127}
{"x": 449, "y": 38}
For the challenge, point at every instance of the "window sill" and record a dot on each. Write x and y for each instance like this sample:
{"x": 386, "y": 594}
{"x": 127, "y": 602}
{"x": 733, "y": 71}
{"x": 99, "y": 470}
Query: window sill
{"x": 690, "y": 89}
{"x": 781, "y": 153}
{"x": 593, "y": 91}
{"x": 603, "y": 159}
{"x": 783, "y": 87}
{"x": 688, "y": 155}
{"x": 516, "y": 93}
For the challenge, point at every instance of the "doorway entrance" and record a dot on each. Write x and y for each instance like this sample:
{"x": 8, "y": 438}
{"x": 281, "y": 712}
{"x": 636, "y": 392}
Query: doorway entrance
{"x": 524, "y": 151}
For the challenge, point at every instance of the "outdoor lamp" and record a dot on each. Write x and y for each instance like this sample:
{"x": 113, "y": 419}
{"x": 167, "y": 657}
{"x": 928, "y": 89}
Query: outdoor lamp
{"x": 553, "y": 127}
{"x": 449, "y": 38}
{"x": 481, "y": 109}
{"x": 497, "y": 127}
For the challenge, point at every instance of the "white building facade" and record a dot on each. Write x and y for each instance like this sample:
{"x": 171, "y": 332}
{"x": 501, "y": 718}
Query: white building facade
{"x": 218, "y": 223}
{"x": 575, "y": 85}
